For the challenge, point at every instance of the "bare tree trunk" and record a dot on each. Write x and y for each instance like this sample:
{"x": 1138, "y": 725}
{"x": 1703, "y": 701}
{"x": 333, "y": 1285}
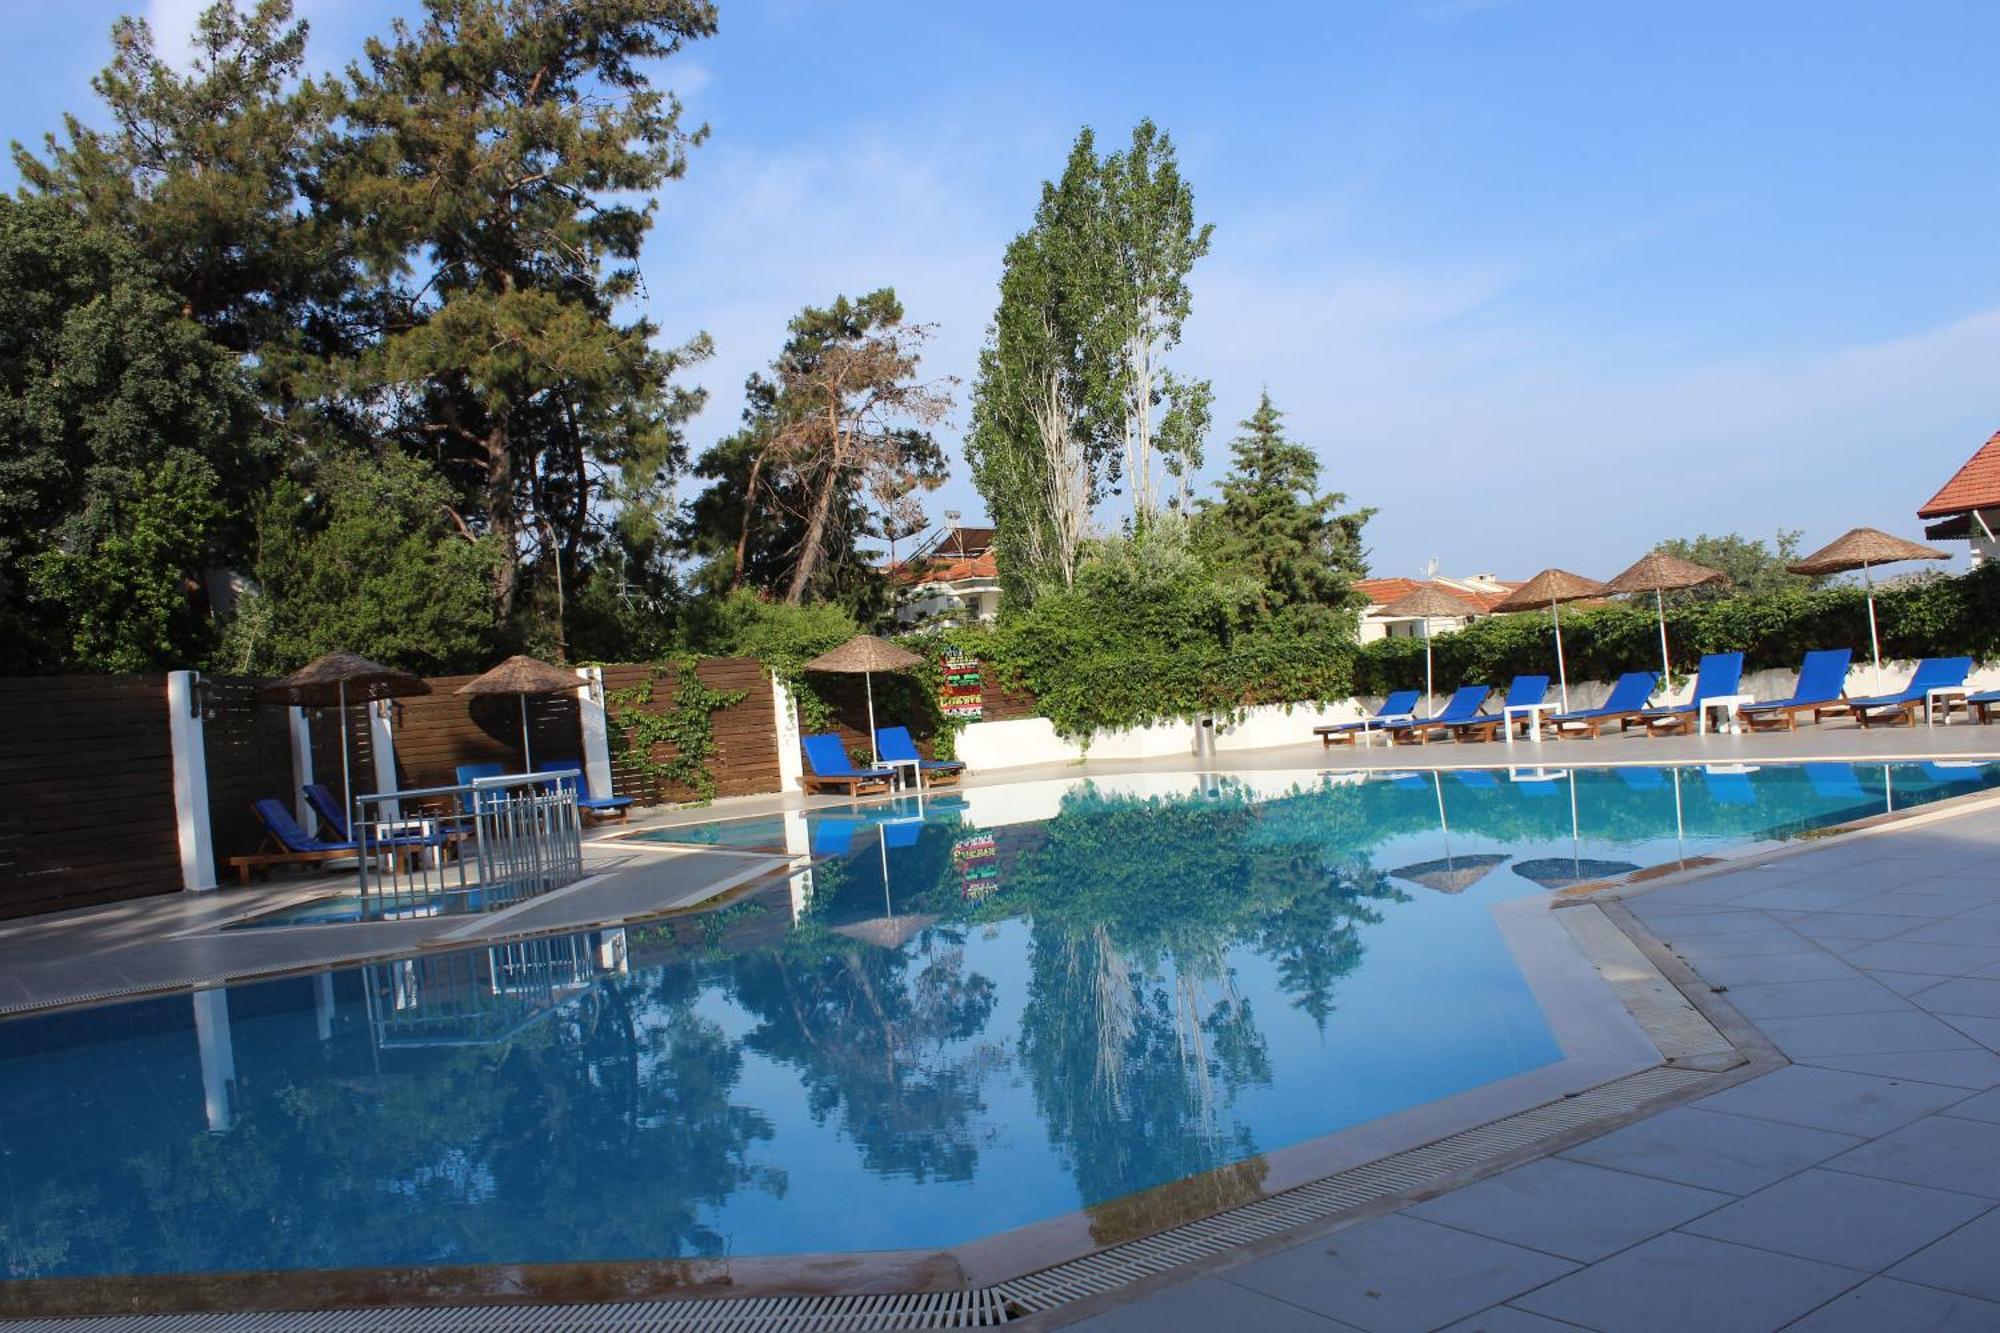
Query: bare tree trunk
{"x": 749, "y": 512}
{"x": 815, "y": 538}
{"x": 500, "y": 516}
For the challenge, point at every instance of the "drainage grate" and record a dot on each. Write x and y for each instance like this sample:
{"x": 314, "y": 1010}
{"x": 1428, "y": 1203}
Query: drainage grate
{"x": 1322, "y": 1199}
{"x": 791, "y": 1314}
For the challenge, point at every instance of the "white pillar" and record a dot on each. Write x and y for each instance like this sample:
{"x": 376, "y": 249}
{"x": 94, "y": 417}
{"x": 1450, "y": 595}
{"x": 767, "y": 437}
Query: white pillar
{"x": 791, "y": 761}
{"x": 197, "y": 835}
{"x": 382, "y": 746}
{"x": 596, "y": 734}
{"x": 302, "y": 768}
{"x": 218, "y": 1058}
{"x": 323, "y": 1004}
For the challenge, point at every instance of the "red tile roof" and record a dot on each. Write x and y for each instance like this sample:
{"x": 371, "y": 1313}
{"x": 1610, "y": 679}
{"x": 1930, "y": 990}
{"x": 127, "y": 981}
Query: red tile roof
{"x": 1381, "y": 592}
{"x": 932, "y": 570}
{"x": 1974, "y": 486}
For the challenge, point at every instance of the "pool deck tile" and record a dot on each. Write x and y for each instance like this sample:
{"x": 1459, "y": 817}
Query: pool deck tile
{"x": 1944, "y": 1152}
{"x": 1675, "y": 1283}
{"x": 1862, "y": 1034}
{"x": 1831, "y": 1099}
{"x": 1800, "y": 999}
{"x": 1882, "y": 1305}
{"x": 1208, "y": 1304}
{"x": 1712, "y": 1150}
{"x": 1967, "y": 1261}
{"x": 1836, "y": 1218}
{"x": 1399, "y": 1274}
{"x": 1569, "y": 1208}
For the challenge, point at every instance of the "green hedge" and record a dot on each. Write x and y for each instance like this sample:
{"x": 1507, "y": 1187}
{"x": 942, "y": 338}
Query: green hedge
{"x": 1934, "y": 617}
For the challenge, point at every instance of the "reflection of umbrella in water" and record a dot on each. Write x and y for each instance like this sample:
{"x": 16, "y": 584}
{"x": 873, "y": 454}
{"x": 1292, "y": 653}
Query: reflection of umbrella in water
{"x": 1551, "y": 588}
{"x": 1658, "y": 573}
{"x": 523, "y": 676}
{"x": 1449, "y": 874}
{"x": 866, "y": 654}
{"x": 331, "y": 681}
{"x": 1560, "y": 872}
{"x": 890, "y": 931}
{"x": 1861, "y": 548}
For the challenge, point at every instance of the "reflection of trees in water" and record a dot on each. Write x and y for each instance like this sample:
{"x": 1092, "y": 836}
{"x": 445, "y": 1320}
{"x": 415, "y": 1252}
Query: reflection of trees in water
{"x": 603, "y": 1131}
{"x": 1136, "y": 1038}
{"x": 882, "y": 1037}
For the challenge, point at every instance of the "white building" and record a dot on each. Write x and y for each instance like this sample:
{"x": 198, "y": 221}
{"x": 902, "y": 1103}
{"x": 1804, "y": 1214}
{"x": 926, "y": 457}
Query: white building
{"x": 1480, "y": 593}
{"x": 953, "y": 579}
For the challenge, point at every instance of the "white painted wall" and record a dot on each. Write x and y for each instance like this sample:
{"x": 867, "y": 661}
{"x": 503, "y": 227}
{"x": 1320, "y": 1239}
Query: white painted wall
{"x": 595, "y": 730}
{"x": 190, "y": 758}
{"x": 791, "y": 759}
{"x": 1033, "y": 740}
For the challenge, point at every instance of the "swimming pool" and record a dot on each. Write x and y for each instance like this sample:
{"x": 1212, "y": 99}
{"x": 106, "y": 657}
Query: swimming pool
{"x": 1008, "y": 1006}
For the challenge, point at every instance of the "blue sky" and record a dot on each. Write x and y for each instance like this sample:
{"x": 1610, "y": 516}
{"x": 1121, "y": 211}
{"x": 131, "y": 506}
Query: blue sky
{"x": 1542, "y": 282}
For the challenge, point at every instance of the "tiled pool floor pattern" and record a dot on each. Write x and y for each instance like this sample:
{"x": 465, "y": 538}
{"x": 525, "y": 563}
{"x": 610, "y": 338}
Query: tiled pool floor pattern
{"x": 1857, "y": 1188}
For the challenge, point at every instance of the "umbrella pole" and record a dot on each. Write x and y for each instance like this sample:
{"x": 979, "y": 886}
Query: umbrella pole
{"x": 1874, "y": 640}
{"x": 868, "y": 684}
{"x": 1430, "y": 690}
{"x": 1575, "y": 837}
{"x": 527, "y": 759}
{"x": 1666, "y": 665}
{"x": 1562, "y": 669}
{"x": 346, "y": 777}
{"x": 1680, "y": 828}
{"x": 1437, "y": 781}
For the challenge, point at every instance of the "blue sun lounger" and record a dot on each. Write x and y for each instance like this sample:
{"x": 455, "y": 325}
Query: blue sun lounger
{"x": 327, "y": 806}
{"x": 285, "y": 843}
{"x": 1982, "y": 704}
{"x": 1627, "y": 698}
{"x": 1521, "y": 692}
{"x": 1719, "y": 674}
{"x": 831, "y": 768}
{"x": 895, "y": 747}
{"x": 597, "y": 807}
{"x": 1463, "y": 706}
{"x": 1821, "y": 691}
{"x": 1933, "y": 673}
{"x": 1398, "y": 707}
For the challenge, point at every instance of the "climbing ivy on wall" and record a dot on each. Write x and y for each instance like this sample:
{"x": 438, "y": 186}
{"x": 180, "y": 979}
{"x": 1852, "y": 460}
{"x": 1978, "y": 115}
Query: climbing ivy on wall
{"x": 685, "y": 731}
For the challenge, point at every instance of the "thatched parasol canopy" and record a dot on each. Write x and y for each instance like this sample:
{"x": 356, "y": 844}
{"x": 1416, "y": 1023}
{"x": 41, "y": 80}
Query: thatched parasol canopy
{"x": 1860, "y": 548}
{"x": 1656, "y": 571}
{"x": 887, "y": 932}
{"x": 1560, "y": 872}
{"x": 1452, "y": 874}
{"x": 522, "y": 675}
{"x": 334, "y": 681}
{"x": 341, "y": 678}
{"x": 1427, "y": 600}
{"x": 865, "y": 653}
{"x": 1548, "y": 588}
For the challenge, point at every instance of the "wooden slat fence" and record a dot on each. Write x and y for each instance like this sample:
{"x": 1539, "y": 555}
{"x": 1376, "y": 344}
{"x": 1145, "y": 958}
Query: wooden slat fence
{"x": 437, "y": 732}
{"x": 248, "y": 746}
{"x": 745, "y": 758}
{"x": 86, "y": 792}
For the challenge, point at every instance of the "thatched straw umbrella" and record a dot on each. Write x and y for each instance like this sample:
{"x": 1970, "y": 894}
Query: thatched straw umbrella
{"x": 1657, "y": 573}
{"x": 1451, "y": 874}
{"x": 1551, "y": 588}
{"x": 1863, "y": 548}
{"x": 523, "y": 676}
{"x": 1423, "y": 602}
{"x": 1560, "y": 872}
{"x": 332, "y": 680}
{"x": 866, "y": 654}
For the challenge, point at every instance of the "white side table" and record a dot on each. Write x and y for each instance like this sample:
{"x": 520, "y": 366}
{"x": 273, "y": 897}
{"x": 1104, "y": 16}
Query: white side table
{"x": 1727, "y": 705}
{"x": 1379, "y": 726}
{"x": 1943, "y": 694}
{"x": 898, "y": 765}
{"x": 1512, "y": 713}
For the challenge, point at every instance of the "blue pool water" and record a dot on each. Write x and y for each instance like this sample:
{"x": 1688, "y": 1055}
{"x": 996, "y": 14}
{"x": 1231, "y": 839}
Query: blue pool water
{"x": 965, "y": 1021}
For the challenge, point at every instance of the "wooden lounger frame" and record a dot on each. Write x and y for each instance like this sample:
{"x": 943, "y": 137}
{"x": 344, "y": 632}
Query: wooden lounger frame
{"x": 854, "y": 786}
{"x": 1768, "y": 717}
{"x": 271, "y": 853}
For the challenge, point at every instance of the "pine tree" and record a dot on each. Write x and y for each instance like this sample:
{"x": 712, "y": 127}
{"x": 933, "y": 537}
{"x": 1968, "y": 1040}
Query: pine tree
{"x": 1272, "y": 528}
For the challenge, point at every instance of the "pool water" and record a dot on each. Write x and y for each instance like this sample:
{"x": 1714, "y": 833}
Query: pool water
{"x": 959, "y": 1021}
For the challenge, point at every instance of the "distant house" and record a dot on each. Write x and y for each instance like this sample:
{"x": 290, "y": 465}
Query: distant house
{"x": 952, "y": 579}
{"x": 1480, "y": 593}
{"x": 1967, "y": 508}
